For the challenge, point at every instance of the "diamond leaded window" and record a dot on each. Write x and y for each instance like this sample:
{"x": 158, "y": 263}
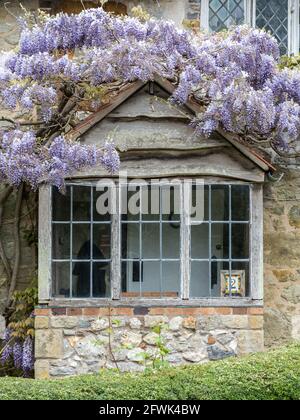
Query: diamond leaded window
{"x": 225, "y": 13}
{"x": 279, "y": 17}
{"x": 272, "y": 15}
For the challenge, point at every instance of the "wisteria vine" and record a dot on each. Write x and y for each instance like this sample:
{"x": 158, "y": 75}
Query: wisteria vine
{"x": 22, "y": 159}
{"x": 18, "y": 352}
{"x": 65, "y": 60}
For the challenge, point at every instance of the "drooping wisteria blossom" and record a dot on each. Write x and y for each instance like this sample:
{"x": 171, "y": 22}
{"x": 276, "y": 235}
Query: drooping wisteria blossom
{"x": 18, "y": 354}
{"x": 234, "y": 76}
{"x": 27, "y": 356}
{"x": 22, "y": 159}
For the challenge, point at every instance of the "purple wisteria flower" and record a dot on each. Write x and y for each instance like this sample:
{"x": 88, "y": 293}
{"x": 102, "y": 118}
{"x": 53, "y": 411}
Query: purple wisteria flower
{"x": 22, "y": 159}
{"x": 18, "y": 354}
{"x": 28, "y": 356}
{"x": 110, "y": 158}
{"x": 234, "y": 76}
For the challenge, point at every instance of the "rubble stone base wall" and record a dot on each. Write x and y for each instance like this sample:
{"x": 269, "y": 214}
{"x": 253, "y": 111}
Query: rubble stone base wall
{"x": 83, "y": 340}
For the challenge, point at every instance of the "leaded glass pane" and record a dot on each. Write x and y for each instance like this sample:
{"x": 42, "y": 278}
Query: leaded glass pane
{"x": 272, "y": 15}
{"x": 61, "y": 241}
{"x": 200, "y": 241}
{"x": 101, "y": 280}
{"x": 225, "y": 13}
{"x": 199, "y": 286}
{"x": 171, "y": 279}
{"x": 61, "y": 279}
{"x": 81, "y": 242}
{"x": 61, "y": 205}
{"x": 151, "y": 264}
{"x": 220, "y": 245}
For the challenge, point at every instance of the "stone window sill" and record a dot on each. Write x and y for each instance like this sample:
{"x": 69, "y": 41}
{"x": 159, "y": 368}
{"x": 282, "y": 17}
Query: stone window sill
{"x": 152, "y": 303}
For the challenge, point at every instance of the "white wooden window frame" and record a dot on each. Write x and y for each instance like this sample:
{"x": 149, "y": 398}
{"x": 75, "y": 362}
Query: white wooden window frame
{"x": 256, "y": 258}
{"x": 250, "y": 19}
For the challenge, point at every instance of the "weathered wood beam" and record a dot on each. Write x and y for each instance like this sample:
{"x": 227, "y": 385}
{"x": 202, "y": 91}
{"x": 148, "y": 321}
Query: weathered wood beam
{"x": 257, "y": 241}
{"x": 45, "y": 238}
{"x": 147, "y": 117}
{"x": 195, "y": 107}
{"x": 262, "y": 163}
{"x": 95, "y": 118}
{"x": 166, "y": 302}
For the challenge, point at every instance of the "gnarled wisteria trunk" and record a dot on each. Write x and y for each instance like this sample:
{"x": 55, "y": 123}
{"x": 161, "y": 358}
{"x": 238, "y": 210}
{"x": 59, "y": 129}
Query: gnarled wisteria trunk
{"x": 18, "y": 245}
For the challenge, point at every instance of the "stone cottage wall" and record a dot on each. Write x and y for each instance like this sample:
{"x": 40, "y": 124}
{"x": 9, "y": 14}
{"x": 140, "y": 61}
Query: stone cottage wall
{"x": 76, "y": 340}
{"x": 282, "y": 259}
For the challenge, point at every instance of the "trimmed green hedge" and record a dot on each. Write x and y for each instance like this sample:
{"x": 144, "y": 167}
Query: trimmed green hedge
{"x": 272, "y": 375}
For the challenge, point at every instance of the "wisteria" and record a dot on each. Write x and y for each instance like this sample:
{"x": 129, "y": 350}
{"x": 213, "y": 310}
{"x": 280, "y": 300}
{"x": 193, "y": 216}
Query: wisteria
{"x": 28, "y": 356}
{"x": 74, "y": 59}
{"x": 18, "y": 353}
{"x": 22, "y": 159}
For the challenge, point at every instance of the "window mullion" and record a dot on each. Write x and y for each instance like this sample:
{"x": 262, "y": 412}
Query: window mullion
{"x": 185, "y": 200}
{"x": 209, "y": 239}
{"x": 250, "y": 6}
{"x": 91, "y": 240}
{"x": 251, "y": 282}
{"x": 45, "y": 272}
{"x": 71, "y": 242}
{"x": 293, "y": 27}
{"x": 230, "y": 241}
{"x": 256, "y": 256}
{"x": 116, "y": 243}
{"x": 204, "y": 19}
{"x": 160, "y": 241}
{"x": 140, "y": 242}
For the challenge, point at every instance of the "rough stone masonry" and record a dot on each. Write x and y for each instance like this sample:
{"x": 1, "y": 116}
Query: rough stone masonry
{"x": 83, "y": 340}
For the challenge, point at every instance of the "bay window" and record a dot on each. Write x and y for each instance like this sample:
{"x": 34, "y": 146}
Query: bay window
{"x": 280, "y": 17}
{"x": 148, "y": 245}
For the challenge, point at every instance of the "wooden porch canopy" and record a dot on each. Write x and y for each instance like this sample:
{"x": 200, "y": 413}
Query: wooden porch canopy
{"x": 129, "y": 90}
